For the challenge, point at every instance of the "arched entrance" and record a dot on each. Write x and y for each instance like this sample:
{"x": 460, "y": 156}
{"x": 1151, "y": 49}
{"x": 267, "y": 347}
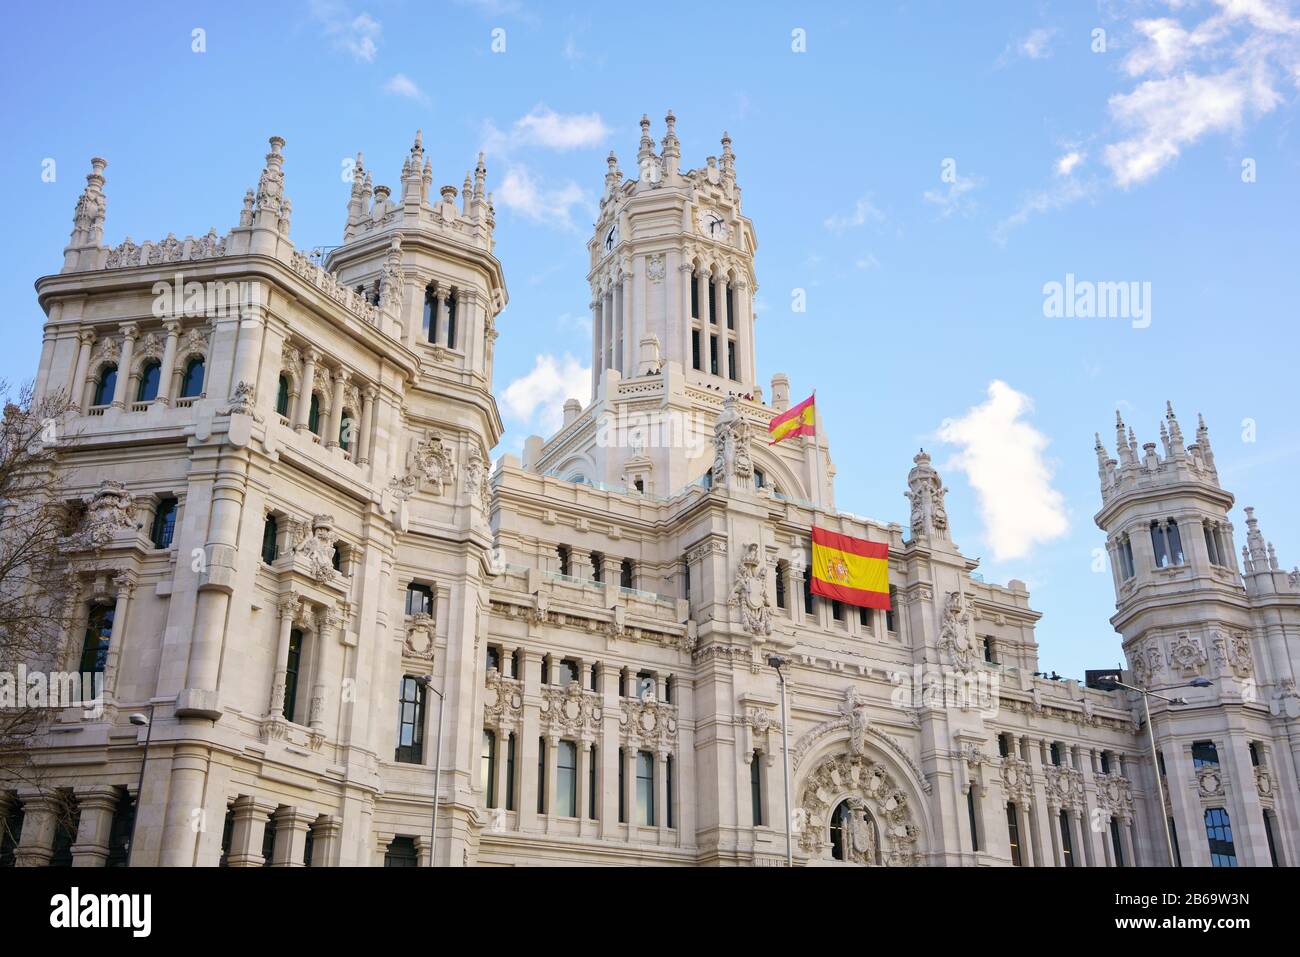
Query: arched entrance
{"x": 852, "y": 810}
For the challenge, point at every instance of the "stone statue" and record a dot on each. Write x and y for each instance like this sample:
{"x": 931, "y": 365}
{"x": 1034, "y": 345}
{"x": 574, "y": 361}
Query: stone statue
{"x": 731, "y": 455}
{"x": 107, "y": 510}
{"x": 926, "y": 491}
{"x": 318, "y": 549}
{"x": 749, "y": 594}
{"x": 955, "y": 632}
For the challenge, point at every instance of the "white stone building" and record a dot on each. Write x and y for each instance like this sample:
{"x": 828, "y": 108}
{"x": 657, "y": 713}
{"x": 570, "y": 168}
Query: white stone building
{"x": 289, "y": 548}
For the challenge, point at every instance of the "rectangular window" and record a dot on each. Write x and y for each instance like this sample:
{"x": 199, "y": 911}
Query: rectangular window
{"x": 731, "y": 308}
{"x": 713, "y": 355}
{"x": 1205, "y": 754}
{"x": 1067, "y": 851}
{"x": 732, "y": 372}
{"x": 668, "y": 789}
{"x": 891, "y": 617}
{"x": 591, "y": 783}
{"x": 1173, "y": 836}
{"x": 622, "y": 786}
{"x": 1105, "y": 762}
{"x": 164, "y": 523}
{"x": 1056, "y": 753}
{"x": 419, "y": 599}
{"x": 988, "y": 651}
{"x": 410, "y": 722}
{"x": 568, "y": 671}
{"x": 488, "y": 768}
{"x": 1004, "y": 745}
{"x": 686, "y": 579}
{"x": 713, "y": 303}
{"x": 807, "y": 592}
{"x": 1115, "y": 843}
{"x": 492, "y": 659}
{"x": 94, "y": 647}
{"x": 782, "y": 570}
{"x": 562, "y": 553}
{"x": 837, "y": 610}
{"x": 292, "y": 666}
{"x": 597, "y": 567}
{"x": 695, "y": 348}
{"x": 864, "y": 618}
{"x": 510, "y": 772}
{"x": 270, "y": 532}
{"x": 1268, "y": 833}
{"x": 1013, "y": 834}
{"x": 1254, "y": 754}
{"x": 756, "y": 786}
{"x": 970, "y": 810}
{"x": 695, "y": 296}
{"x": 1218, "y": 831}
{"x": 645, "y": 788}
{"x": 566, "y": 779}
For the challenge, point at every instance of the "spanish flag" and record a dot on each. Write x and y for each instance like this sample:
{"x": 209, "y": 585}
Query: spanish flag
{"x": 799, "y": 420}
{"x": 852, "y": 570}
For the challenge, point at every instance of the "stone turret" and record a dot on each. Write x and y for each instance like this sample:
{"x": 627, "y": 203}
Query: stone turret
{"x": 82, "y": 251}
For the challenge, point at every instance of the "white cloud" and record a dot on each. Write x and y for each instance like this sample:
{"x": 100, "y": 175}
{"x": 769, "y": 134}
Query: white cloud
{"x": 1067, "y": 163}
{"x": 548, "y": 129}
{"x": 356, "y": 35}
{"x": 540, "y": 395}
{"x": 867, "y": 261}
{"x": 399, "y": 84}
{"x": 1002, "y": 456}
{"x": 1059, "y": 196}
{"x": 954, "y": 199}
{"x": 863, "y": 211}
{"x": 522, "y": 193}
{"x": 1035, "y": 45}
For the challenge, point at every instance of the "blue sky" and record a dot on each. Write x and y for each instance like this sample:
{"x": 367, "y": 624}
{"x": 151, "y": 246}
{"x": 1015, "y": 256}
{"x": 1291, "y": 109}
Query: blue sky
{"x": 1167, "y": 158}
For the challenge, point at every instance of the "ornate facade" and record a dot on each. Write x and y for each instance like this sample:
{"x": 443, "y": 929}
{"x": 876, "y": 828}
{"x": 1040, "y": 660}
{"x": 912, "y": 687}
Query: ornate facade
{"x": 304, "y": 569}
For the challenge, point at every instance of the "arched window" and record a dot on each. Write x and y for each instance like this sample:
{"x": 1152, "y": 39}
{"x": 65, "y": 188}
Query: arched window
{"x": 150, "y": 376}
{"x": 105, "y": 385}
{"x": 94, "y": 647}
{"x": 337, "y": 558}
{"x": 1175, "y": 543}
{"x": 282, "y": 396}
{"x": 192, "y": 381}
{"x": 839, "y": 824}
{"x": 292, "y": 666}
{"x": 429, "y": 318}
{"x": 346, "y": 426}
{"x": 401, "y": 852}
{"x": 313, "y": 414}
{"x": 1158, "y": 547}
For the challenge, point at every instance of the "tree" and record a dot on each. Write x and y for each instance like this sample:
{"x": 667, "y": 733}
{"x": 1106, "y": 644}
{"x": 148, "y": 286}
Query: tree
{"x": 33, "y": 521}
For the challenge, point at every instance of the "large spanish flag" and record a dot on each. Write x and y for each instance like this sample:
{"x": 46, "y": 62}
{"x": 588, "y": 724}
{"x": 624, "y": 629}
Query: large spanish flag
{"x": 852, "y": 570}
{"x": 799, "y": 420}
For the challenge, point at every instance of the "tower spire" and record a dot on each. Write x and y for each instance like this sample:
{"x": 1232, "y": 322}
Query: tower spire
{"x": 672, "y": 149}
{"x": 728, "y": 163}
{"x": 88, "y": 217}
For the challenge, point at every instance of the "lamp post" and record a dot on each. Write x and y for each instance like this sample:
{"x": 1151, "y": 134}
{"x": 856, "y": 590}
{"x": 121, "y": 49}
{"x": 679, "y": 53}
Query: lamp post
{"x": 1110, "y": 683}
{"x": 427, "y": 681}
{"x": 140, "y": 720}
{"x": 776, "y": 662}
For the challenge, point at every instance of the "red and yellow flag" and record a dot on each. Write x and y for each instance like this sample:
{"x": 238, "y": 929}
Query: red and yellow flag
{"x": 852, "y": 570}
{"x": 799, "y": 420}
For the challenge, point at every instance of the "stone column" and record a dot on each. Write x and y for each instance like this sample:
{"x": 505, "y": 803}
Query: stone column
{"x": 530, "y": 662}
{"x": 720, "y": 300}
{"x": 552, "y": 766}
{"x": 336, "y": 408}
{"x": 184, "y": 801}
{"x": 130, "y": 332}
{"x": 325, "y": 846}
{"x": 626, "y": 321}
{"x": 291, "y": 827}
{"x": 326, "y": 647}
{"x": 124, "y": 582}
{"x": 98, "y": 804}
{"x": 77, "y": 387}
{"x": 1126, "y": 841}
{"x": 501, "y": 757}
{"x": 583, "y": 746}
{"x": 289, "y": 607}
{"x": 744, "y": 331}
{"x": 168, "y": 368}
{"x": 662, "y": 797}
{"x": 300, "y": 414}
{"x": 1248, "y": 836}
{"x": 248, "y": 832}
{"x": 685, "y": 276}
{"x": 440, "y": 293}
{"x": 367, "y": 417}
{"x": 629, "y": 788}
{"x": 41, "y": 812}
{"x": 597, "y": 347}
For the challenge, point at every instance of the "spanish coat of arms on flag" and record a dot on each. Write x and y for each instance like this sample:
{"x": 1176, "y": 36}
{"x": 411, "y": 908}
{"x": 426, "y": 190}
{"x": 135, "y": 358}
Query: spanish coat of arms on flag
{"x": 852, "y": 570}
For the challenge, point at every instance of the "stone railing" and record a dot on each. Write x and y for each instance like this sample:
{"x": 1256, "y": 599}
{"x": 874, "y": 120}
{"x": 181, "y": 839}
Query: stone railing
{"x": 329, "y": 284}
{"x": 169, "y": 250}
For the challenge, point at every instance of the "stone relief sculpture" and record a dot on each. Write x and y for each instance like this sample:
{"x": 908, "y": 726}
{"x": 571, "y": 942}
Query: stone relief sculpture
{"x": 859, "y": 834}
{"x": 108, "y": 509}
{"x": 926, "y": 492}
{"x": 749, "y": 593}
{"x": 955, "y": 638}
{"x": 318, "y": 549}
{"x": 731, "y": 456}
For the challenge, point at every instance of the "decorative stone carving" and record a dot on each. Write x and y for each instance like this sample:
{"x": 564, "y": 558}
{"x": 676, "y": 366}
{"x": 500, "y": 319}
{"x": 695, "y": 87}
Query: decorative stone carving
{"x": 655, "y": 269}
{"x": 1017, "y": 779}
{"x": 926, "y": 492}
{"x": 570, "y": 710}
{"x": 855, "y": 712}
{"x": 477, "y": 484}
{"x": 1209, "y": 781}
{"x": 859, "y": 834}
{"x": 1115, "y": 796}
{"x": 432, "y": 462}
{"x": 318, "y": 549}
{"x": 871, "y": 791}
{"x": 108, "y": 509}
{"x": 1264, "y": 781}
{"x": 731, "y": 456}
{"x": 1064, "y": 788}
{"x": 419, "y": 639}
{"x": 749, "y": 593}
{"x": 956, "y": 634}
{"x": 1187, "y": 655}
{"x": 243, "y": 401}
{"x": 649, "y": 722}
{"x": 1233, "y": 653}
{"x": 503, "y": 700}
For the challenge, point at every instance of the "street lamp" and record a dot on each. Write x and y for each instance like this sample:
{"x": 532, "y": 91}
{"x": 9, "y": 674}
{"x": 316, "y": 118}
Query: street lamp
{"x": 140, "y": 720}
{"x": 427, "y": 682}
{"x": 776, "y": 661}
{"x": 1110, "y": 683}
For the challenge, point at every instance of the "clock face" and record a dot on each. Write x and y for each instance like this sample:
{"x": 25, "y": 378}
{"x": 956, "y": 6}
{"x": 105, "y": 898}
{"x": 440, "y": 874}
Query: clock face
{"x": 712, "y": 224}
{"x": 611, "y": 238}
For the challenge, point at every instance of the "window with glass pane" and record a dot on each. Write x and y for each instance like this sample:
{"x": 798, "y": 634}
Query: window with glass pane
{"x": 622, "y": 786}
{"x": 428, "y": 323}
{"x": 1205, "y": 754}
{"x": 756, "y": 786}
{"x": 293, "y": 664}
{"x": 1218, "y": 830}
{"x": 492, "y": 660}
{"x": 645, "y": 788}
{"x": 282, "y": 396}
{"x": 568, "y": 671}
{"x": 566, "y": 779}
{"x": 864, "y": 618}
{"x": 419, "y": 599}
{"x": 591, "y": 783}
{"x": 270, "y": 534}
{"x": 313, "y": 415}
{"x": 1268, "y": 833}
{"x": 1067, "y": 850}
{"x": 891, "y": 617}
{"x": 105, "y": 385}
{"x": 488, "y": 768}
{"x": 713, "y": 355}
{"x": 807, "y": 593}
{"x": 1175, "y": 543}
{"x": 839, "y": 822}
{"x": 192, "y": 381}
{"x": 645, "y": 685}
{"x": 164, "y": 523}
{"x": 402, "y": 852}
{"x": 1158, "y": 546}
{"x": 695, "y": 349}
{"x": 970, "y": 812}
{"x": 668, "y": 790}
{"x": 1013, "y": 834}
{"x": 94, "y": 647}
{"x": 451, "y": 320}
{"x": 508, "y": 785}
{"x": 1115, "y": 843}
{"x": 541, "y": 775}
{"x": 149, "y": 378}
{"x": 410, "y": 722}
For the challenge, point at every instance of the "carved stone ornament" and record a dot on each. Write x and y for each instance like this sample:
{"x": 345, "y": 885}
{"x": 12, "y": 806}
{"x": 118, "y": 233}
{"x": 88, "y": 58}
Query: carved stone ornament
{"x": 477, "y": 484}
{"x": 433, "y": 462}
{"x": 926, "y": 492}
{"x": 419, "y": 639}
{"x": 108, "y": 509}
{"x": 1017, "y": 778}
{"x": 731, "y": 456}
{"x": 1187, "y": 655}
{"x": 503, "y": 700}
{"x": 570, "y": 710}
{"x": 1114, "y": 796}
{"x": 1209, "y": 781}
{"x": 1264, "y": 781}
{"x": 874, "y": 801}
{"x": 1233, "y": 653}
{"x": 318, "y": 549}
{"x": 655, "y": 269}
{"x": 243, "y": 401}
{"x": 956, "y": 635}
{"x": 1064, "y": 788}
{"x": 749, "y": 593}
{"x": 649, "y": 722}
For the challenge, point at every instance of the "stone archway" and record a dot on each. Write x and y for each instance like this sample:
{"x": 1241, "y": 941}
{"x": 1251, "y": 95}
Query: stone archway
{"x": 889, "y": 832}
